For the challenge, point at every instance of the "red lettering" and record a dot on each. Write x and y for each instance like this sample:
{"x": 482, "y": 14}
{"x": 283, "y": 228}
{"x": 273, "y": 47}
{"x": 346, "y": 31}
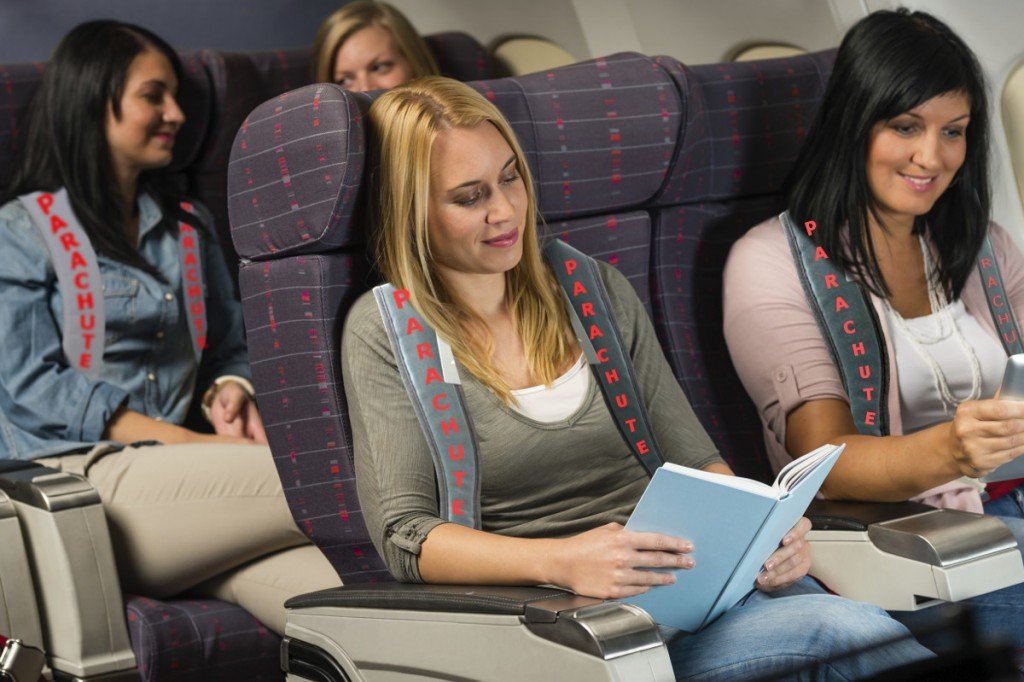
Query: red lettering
{"x": 68, "y": 241}
{"x": 88, "y": 340}
{"x": 858, "y": 348}
{"x": 602, "y": 355}
{"x": 413, "y": 326}
{"x": 1003, "y": 318}
{"x": 190, "y": 259}
{"x": 87, "y": 321}
{"x": 641, "y": 447}
{"x": 864, "y": 371}
{"x": 819, "y": 254}
{"x": 1011, "y": 337}
{"x": 612, "y": 376}
{"x": 991, "y": 282}
{"x": 438, "y": 405}
{"x": 997, "y": 301}
{"x": 400, "y": 296}
{"x": 587, "y": 309}
{"x": 194, "y": 291}
{"x": 810, "y": 226}
{"x": 196, "y": 308}
{"x": 56, "y": 223}
{"x": 45, "y": 201}
{"x": 188, "y": 242}
{"x": 85, "y": 301}
{"x": 432, "y": 376}
{"x": 578, "y": 289}
{"x": 831, "y": 282}
{"x": 631, "y": 423}
{"x": 459, "y": 475}
{"x": 198, "y": 324}
{"x": 570, "y": 266}
{"x": 449, "y": 427}
{"x": 457, "y": 508}
{"x": 423, "y": 350}
{"x": 849, "y": 328}
{"x": 986, "y": 262}
{"x": 621, "y": 400}
{"x": 77, "y": 261}
{"x": 85, "y": 360}
{"x": 869, "y": 418}
{"x": 192, "y": 275}
{"x": 595, "y": 332}
{"x": 201, "y": 342}
{"x": 455, "y": 452}
{"x": 868, "y": 390}
{"x": 841, "y": 304}
{"x": 82, "y": 280}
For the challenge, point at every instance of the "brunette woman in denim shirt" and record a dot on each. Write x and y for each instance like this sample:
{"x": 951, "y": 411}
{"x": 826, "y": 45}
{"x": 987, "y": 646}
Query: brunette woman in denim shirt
{"x": 196, "y": 511}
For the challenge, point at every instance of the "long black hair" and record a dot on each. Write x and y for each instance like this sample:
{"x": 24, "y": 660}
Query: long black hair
{"x": 888, "y": 63}
{"x": 66, "y": 144}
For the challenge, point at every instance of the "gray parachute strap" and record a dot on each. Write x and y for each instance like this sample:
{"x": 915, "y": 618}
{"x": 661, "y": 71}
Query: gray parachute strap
{"x": 193, "y": 288}
{"x": 439, "y": 406}
{"x": 78, "y": 277}
{"x": 849, "y": 326}
{"x": 580, "y": 280}
{"x": 998, "y": 304}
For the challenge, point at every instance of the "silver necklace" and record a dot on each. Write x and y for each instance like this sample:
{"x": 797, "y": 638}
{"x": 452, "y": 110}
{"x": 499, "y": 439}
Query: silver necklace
{"x": 944, "y": 326}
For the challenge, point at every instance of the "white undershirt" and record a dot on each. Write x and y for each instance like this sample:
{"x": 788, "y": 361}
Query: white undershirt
{"x": 555, "y": 403}
{"x": 920, "y": 403}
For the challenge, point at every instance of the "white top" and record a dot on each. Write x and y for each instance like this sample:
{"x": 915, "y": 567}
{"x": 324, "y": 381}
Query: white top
{"x": 920, "y": 403}
{"x": 555, "y": 403}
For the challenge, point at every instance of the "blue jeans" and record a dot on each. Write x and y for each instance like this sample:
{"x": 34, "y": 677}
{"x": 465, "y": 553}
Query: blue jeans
{"x": 998, "y": 615}
{"x": 778, "y": 634}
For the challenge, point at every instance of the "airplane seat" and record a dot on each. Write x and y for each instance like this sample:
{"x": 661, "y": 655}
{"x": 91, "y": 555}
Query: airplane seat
{"x": 745, "y": 124}
{"x": 295, "y": 199}
{"x": 1012, "y": 109}
{"x": 460, "y": 56}
{"x": 761, "y": 51}
{"x": 17, "y": 84}
{"x": 516, "y": 55}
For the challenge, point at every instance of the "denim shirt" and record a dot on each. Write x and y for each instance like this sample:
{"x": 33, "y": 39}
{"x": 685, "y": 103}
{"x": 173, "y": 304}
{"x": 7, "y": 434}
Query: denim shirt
{"x": 47, "y": 407}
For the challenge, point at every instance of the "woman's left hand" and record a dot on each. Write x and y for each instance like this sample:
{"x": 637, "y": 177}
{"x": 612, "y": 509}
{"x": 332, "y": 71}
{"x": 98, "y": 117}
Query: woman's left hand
{"x": 789, "y": 562}
{"x": 234, "y": 413}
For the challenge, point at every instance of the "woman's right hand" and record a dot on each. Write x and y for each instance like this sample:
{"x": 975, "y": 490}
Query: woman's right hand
{"x": 607, "y": 562}
{"x": 985, "y": 434}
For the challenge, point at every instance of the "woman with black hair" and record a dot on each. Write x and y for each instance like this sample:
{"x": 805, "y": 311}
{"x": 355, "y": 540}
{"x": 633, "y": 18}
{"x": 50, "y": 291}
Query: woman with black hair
{"x": 120, "y": 312}
{"x": 889, "y": 211}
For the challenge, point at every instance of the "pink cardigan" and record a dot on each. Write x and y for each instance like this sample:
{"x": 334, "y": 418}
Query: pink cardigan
{"x": 782, "y": 358}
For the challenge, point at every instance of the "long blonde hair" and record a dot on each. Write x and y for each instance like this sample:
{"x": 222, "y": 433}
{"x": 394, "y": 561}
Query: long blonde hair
{"x": 407, "y": 120}
{"x": 355, "y": 16}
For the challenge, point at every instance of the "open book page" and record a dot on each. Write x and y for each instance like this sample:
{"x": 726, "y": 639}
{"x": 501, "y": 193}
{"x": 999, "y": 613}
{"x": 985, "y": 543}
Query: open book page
{"x": 794, "y": 472}
{"x": 739, "y": 482}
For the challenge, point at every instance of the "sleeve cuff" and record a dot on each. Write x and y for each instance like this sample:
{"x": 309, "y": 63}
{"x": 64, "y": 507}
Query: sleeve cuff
{"x": 406, "y": 542}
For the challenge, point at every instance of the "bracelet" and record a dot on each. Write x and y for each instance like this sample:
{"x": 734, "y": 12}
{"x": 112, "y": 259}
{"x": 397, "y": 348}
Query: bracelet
{"x": 214, "y": 388}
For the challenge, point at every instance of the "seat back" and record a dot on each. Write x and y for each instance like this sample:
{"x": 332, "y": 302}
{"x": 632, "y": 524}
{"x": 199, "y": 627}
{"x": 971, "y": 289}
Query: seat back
{"x": 646, "y": 164}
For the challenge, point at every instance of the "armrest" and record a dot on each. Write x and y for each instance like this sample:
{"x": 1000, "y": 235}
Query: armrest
{"x": 19, "y": 614}
{"x": 454, "y": 631}
{"x": 72, "y": 560}
{"x": 841, "y": 515}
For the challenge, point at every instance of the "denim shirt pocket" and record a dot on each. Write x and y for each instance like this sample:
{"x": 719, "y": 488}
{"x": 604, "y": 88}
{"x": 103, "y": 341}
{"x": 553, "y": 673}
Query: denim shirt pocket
{"x": 120, "y": 298}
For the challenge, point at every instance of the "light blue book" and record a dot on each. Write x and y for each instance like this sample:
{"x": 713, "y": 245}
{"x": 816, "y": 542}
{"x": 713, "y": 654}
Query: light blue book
{"x": 734, "y": 523}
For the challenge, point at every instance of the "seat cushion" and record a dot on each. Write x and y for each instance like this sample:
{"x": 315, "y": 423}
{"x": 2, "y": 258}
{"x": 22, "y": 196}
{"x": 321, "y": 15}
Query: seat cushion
{"x": 196, "y": 640}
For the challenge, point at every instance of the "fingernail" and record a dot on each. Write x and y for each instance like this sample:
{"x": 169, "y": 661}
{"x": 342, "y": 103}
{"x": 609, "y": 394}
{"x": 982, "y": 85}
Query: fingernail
{"x": 688, "y": 563}
{"x": 688, "y": 547}
{"x": 769, "y": 566}
{"x": 788, "y": 539}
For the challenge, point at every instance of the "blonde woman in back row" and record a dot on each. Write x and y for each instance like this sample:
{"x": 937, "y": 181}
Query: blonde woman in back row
{"x": 369, "y": 46}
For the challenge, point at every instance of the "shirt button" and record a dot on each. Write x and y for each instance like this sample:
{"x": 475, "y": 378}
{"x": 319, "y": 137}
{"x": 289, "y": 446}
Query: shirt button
{"x": 780, "y": 375}
{"x": 159, "y": 419}
{"x": 151, "y": 376}
{"x": 168, "y": 296}
{"x": 159, "y": 335}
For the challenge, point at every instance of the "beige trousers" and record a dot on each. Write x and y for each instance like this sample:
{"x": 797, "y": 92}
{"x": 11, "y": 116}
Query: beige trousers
{"x": 203, "y": 518}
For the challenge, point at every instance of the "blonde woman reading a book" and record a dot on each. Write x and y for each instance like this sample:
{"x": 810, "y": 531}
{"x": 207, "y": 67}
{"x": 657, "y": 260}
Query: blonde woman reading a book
{"x": 456, "y": 215}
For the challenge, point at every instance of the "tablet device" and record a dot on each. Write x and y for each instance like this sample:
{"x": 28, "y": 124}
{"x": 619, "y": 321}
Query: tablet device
{"x": 1012, "y": 388}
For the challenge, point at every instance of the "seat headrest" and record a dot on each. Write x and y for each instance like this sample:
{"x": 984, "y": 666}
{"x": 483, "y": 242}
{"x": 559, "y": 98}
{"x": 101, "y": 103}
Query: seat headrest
{"x": 460, "y": 56}
{"x": 195, "y": 97}
{"x": 295, "y": 173}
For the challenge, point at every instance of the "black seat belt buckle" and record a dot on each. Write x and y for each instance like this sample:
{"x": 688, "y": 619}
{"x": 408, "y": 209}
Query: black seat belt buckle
{"x": 20, "y": 662}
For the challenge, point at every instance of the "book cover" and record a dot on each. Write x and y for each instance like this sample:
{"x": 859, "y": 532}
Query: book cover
{"x": 734, "y": 523}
